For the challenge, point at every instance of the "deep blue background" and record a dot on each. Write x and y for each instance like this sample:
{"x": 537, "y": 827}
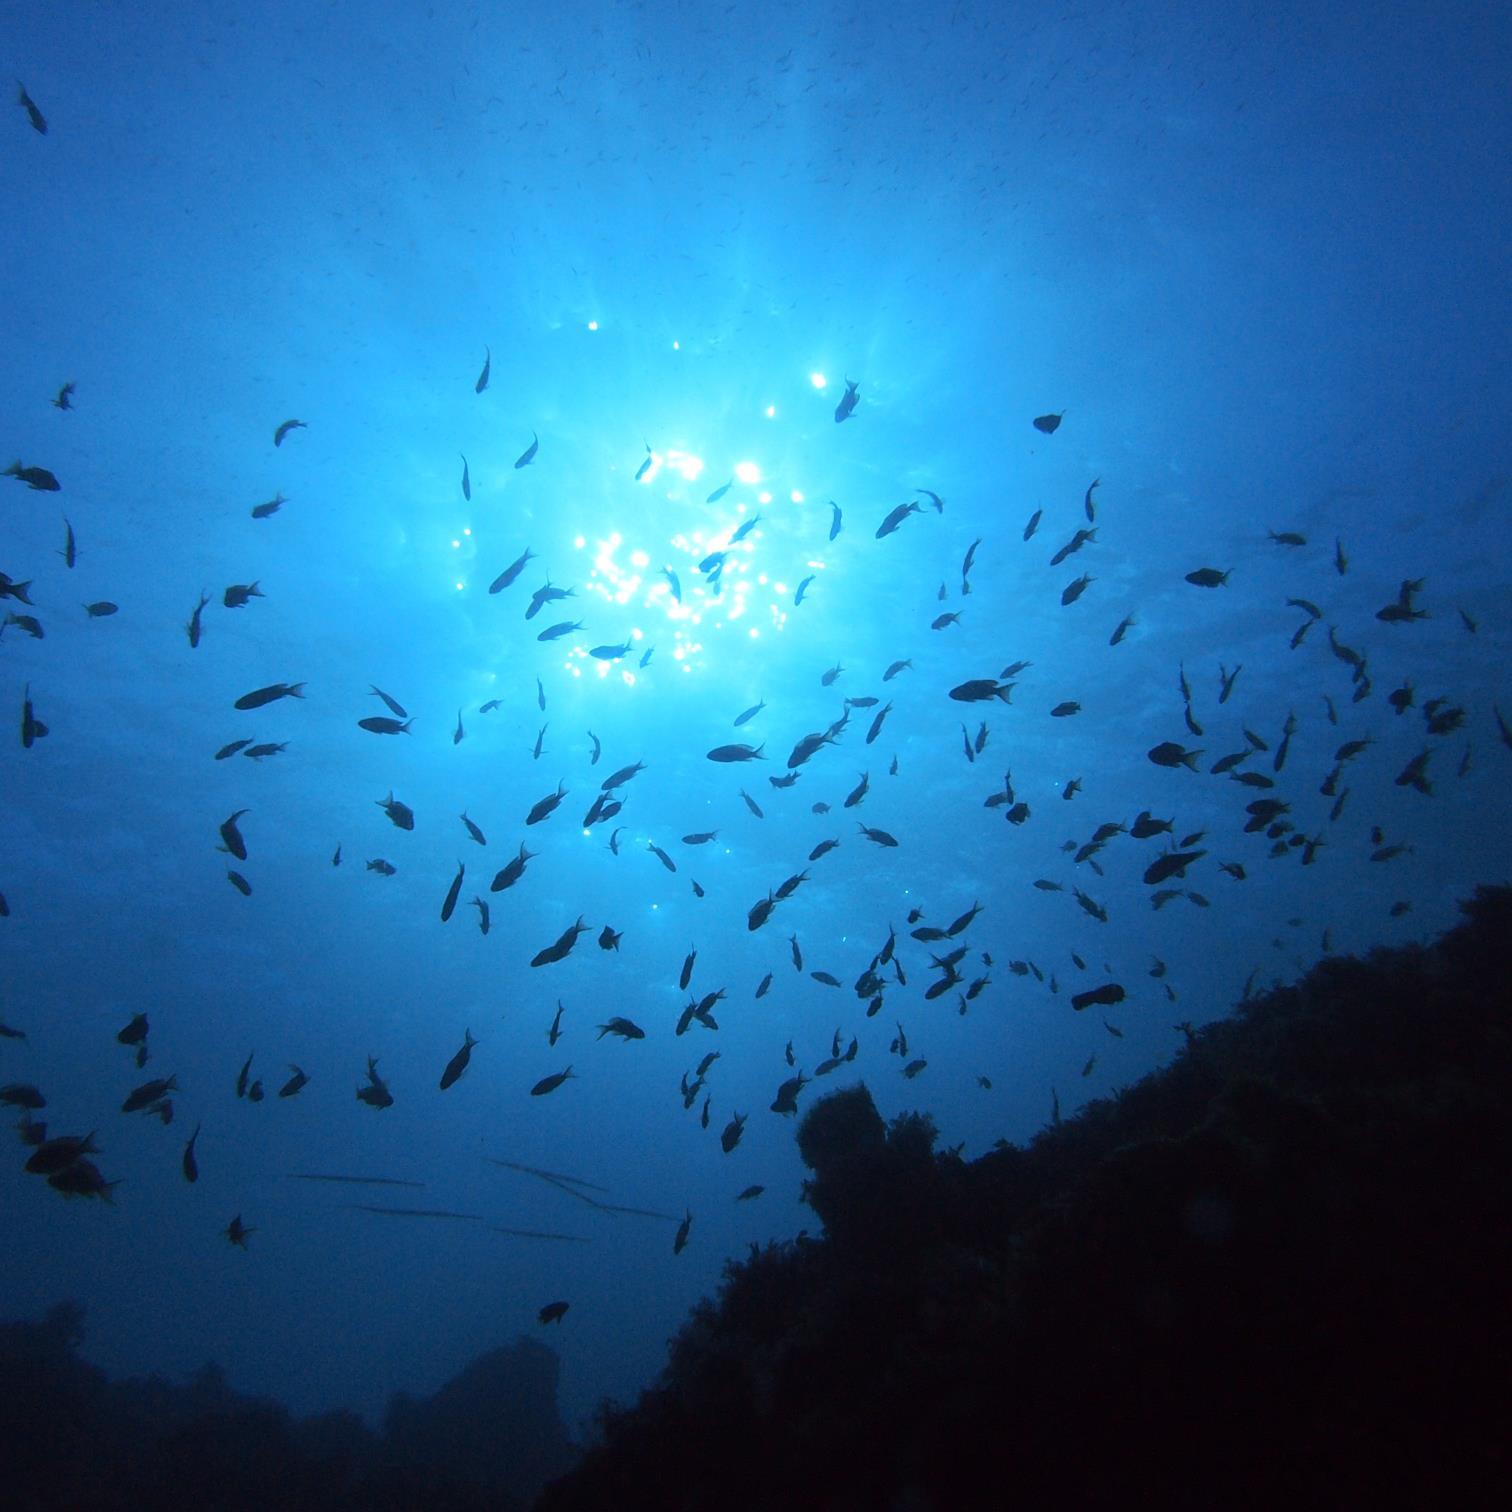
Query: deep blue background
{"x": 1259, "y": 261}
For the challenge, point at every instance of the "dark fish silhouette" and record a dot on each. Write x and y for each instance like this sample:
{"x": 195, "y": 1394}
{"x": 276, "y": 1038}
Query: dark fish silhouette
{"x": 511, "y": 572}
{"x": 37, "y": 119}
{"x": 458, "y": 1063}
{"x": 37, "y": 478}
{"x": 848, "y": 401}
{"x": 274, "y": 691}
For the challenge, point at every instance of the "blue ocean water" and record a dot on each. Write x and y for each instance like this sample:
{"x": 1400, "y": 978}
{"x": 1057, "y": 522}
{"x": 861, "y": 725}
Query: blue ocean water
{"x": 1256, "y": 261}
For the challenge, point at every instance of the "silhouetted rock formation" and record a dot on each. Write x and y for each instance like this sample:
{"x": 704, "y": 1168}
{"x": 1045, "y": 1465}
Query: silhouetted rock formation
{"x": 1275, "y": 1271}
{"x": 75, "y": 1441}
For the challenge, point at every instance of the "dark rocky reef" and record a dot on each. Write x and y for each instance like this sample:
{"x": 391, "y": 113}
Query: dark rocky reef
{"x": 1278, "y": 1270}
{"x": 77, "y": 1442}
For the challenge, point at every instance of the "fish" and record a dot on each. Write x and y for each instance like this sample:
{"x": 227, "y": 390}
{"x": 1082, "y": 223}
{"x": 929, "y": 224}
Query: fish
{"x": 1075, "y": 544}
{"x": 848, "y": 401}
{"x": 1169, "y": 754}
{"x": 135, "y": 1031}
{"x": 836, "y": 517}
{"x": 752, "y": 804}
{"x": 286, "y": 428}
{"x": 35, "y": 116}
{"x": 382, "y": 867}
{"x": 231, "y": 836}
{"x": 270, "y": 507}
{"x": 610, "y": 652}
{"x": 38, "y": 479}
{"x": 451, "y": 894}
{"x": 980, "y": 689}
{"x": 551, "y": 1083}
{"x": 557, "y": 631}
{"x": 720, "y": 492}
{"x": 271, "y": 694}
{"x": 1104, "y": 996}
{"x": 732, "y": 753}
{"x": 876, "y": 724}
{"x": 535, "y": 750}
{"x": 745, "y": 528}
{"x": 760, "y": 912}
{"x": 895, "y": 668}
{"x": 1074, "y": 590}
{"x": 553, "y": 1312}
{"x": 401, "y": 815}
{"x": 32, "y": 728}
{"x": 1286, "y": 538}
{"x": 1341, "y": 562}
{"x": 747, "y": 715}
{"x": 376, "y": 1094}
{"x": 29, "y": 623}
{"x": 895, "y": 518}
{"x": 877, "y": 836}
{"x": 238, "y": 1233}
{"x": 1414, "y": 774}
{"x": 546, "y": 806}
{"x": 292, "y": 1088}
{"x": 858, "y": 793}
{"x": 458, "y": 1063}
{"x": 1087, "y": 504}
{"x": 561, "y": 947}
{"x": 730, "y": 1137}
{"x": 148, "y": 1092}
{"x": 1065, "y": 710}
{"x": 483, "y": 919}
{"x": 189, "y": 1163}
{"x": 786, "y": 1100}
{"x": 622, "y": 776}
{"x": 1208, "y": 577}
{"x": 466, "y": 478}
{"x": 57, "y": 1154}
{"x": 609, "y": 939}
{"x": 944, "y": 621}
{"x": 622, "y": 1028}
{"x": 511, "y": 572}
{"x": 554, "y": 1033}
{"x": 528, "y": 456}
{"x": 662, "y": 856}
{"x": 472, "y": 829}
{"x": 802, "y": 589}
{"x": 1171, "y": 864}
{"x": 1048, "y": 424}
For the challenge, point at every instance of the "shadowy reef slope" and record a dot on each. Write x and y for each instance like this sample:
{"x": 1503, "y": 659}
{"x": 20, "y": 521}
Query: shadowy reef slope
{"x": 1275, "y": 1269}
